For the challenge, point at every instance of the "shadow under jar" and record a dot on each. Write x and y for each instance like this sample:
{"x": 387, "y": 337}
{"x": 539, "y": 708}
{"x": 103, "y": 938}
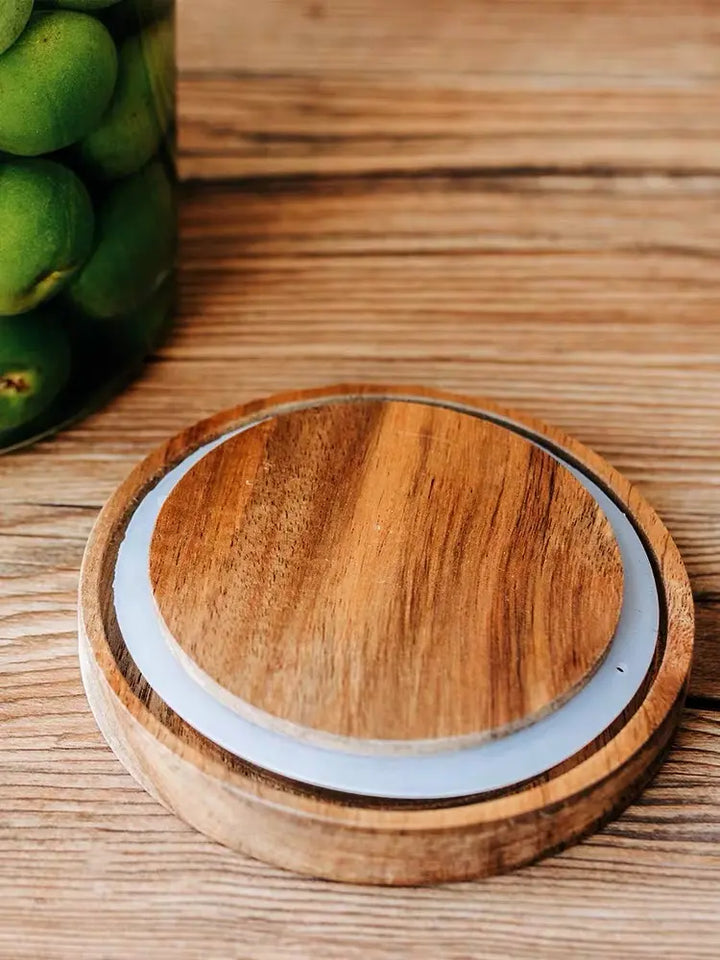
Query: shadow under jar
{"x": 87, "y": 203}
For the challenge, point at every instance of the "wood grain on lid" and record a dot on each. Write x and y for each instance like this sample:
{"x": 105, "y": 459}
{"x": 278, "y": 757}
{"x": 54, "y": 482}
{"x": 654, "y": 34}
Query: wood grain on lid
{"x": 386, "y": 570}
{"x": 342, "y": 837}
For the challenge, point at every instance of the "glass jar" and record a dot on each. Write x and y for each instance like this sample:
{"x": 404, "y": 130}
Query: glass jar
{"x": 87, "y": 203}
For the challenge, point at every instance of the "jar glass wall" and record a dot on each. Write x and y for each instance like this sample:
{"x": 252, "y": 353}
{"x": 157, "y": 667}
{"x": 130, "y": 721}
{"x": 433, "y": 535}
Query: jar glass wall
{"x": 87, "y": 203}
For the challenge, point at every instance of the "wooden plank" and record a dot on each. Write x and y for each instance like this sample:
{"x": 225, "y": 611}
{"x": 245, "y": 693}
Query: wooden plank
{"x": 287, "y": 87}
{"x": 78, "y": 838}
{"x": 706, "y": 667}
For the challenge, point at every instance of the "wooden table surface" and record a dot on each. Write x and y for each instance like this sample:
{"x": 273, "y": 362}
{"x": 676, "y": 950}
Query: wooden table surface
{"x": 517, "y": 199}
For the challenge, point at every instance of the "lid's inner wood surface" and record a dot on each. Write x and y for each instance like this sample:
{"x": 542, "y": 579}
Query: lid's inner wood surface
{"x": 386, "y": 570}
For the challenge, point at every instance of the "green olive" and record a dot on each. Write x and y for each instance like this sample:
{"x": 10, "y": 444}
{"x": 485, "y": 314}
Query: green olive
{"x": 147, "y": 326}
{"x": 46, "y": 231}
{"x": 158, "y": 46}
{"x": 130, "y": 132}
{"x": 55, "y": 82}
{"x": 14, "y": 14}
{"x": 34, "y": 365}
{"x": 122, "y": 342}
{"x": 135, "y": 246}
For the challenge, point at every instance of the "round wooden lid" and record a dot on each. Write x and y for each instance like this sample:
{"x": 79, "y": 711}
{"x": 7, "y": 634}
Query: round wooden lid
{"x": 386, "y": 572}
{"x": 427, "y": 585}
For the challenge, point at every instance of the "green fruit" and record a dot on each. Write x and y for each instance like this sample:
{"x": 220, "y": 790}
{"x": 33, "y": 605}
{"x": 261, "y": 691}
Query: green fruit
{"x": 158, "y": 46}
{"x": 55, "y": 82}
{"x": 46, "y": 231}
{"x": 135, "y": 246}
{"x": 34, "y": 365}
{"x": 124, "y": 341}
{"x": 14, "y": 14}
{"x": 147, "y": 326}
{"x": 130, "y": 132}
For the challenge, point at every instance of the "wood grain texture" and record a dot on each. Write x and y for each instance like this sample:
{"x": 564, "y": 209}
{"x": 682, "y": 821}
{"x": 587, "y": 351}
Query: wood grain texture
{"x": 652, "y": 877}
{"x": 591, "y": 300}
{"x": 320, "y": 833}
{"x": 286, "y": 87}
{"x": 370, "y": 569}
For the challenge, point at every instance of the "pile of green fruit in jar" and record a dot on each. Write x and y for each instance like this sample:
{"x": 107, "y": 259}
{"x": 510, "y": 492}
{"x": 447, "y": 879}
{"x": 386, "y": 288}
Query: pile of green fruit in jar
{"x": 87, "y": 202}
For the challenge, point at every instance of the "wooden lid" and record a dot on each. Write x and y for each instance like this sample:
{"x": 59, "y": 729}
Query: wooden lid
{"x": 382, "y": 634}
{"x": 387, "y": 572}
